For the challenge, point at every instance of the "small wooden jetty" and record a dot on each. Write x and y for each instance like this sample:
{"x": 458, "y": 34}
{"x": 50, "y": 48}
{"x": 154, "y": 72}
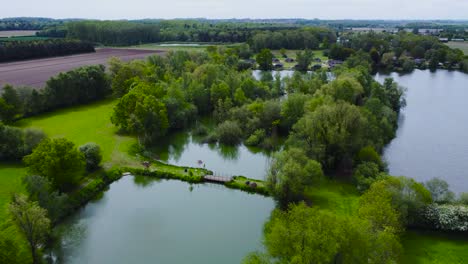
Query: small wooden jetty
{"x": 217, "y": 179}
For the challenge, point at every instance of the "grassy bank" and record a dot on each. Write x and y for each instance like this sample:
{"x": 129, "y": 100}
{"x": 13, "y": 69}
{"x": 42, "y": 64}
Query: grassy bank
{"x": 89, "y": 123}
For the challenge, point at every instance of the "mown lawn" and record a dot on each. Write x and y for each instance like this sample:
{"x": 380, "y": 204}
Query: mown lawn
{"x": 83, "y": 124}
{"x": 459, "y": 45}
{"x": 335, "y": 196}
{"x": 434, "y": 247}
{"x": 10, "y": 182}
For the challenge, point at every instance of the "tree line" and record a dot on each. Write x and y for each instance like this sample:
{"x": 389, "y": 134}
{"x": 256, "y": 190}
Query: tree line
{"x": 22, "y": 50}
{"x": 402, "y": 52}
{"x": 80, "y": 86}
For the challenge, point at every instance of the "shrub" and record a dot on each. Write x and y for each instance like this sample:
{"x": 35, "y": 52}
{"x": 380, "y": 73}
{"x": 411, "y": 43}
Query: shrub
{"x": 365, "y": 174}
{"x": 229, "y": 132}
{"x": 200, "y": 130}
{"x": 16, "y": 143}
{"x": 446, "y": 217}
{"x": 92, "y": 154}
{"x": 256, "y": 138}
{"x": 368, "y": 154}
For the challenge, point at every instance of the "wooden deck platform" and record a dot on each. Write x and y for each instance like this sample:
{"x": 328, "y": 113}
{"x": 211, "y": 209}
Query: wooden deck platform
{"x": 218, "y": 179}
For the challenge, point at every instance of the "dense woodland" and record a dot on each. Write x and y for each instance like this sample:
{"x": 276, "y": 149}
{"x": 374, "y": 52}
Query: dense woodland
{"x": 23, "y": 50}
{"x": 336, "y": 125}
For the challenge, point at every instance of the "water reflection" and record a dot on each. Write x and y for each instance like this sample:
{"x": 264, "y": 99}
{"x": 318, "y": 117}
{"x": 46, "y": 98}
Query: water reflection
{"x": 185, "y": 150}
{"x": 431, "y": 140}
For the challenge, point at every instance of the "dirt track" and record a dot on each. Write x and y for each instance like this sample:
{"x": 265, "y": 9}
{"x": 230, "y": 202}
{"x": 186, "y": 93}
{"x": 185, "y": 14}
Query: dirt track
{"x": 35, "y": 73}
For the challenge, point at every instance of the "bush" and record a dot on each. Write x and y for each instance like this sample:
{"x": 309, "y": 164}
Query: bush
{"x": 368, "y": 154}
{"x": 366, "y": 174}
{"x": 17, "y": 143}
{"x": 256, "y": 138}
{"x": 446, "y": 217}
{"x": 200, "y": 130}
{"x": 229, "y": 133}
{"x": 92, "y": 154}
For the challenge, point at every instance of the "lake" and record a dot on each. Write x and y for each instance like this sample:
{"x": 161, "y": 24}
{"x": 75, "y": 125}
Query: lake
{"x": 183, "y": 150}
{"x": 140, "y": 220}
{"x": 432, "y": 138}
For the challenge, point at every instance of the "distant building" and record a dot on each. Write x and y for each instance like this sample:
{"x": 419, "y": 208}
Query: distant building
{"x": 443, "y": 40}
{"x": 458, "y": 40}
{"x": 278, "y": 65}
{"x": 333, "y": 63}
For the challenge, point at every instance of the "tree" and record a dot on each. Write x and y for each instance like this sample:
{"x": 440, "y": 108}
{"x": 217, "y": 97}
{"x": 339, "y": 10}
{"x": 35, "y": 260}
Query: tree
{"x": 264, "y": 60}
{"x": 292, "y": 109}
{"x": 142, "y": 112}
{"x": 332, "y": 134}
{"x": 31, "y": 221}
{"x": 439, "y": 190}
{"x": 59, "y": 161}
{"x": 92, "y": 154}
{"x": 304, "y": 59}
{"x": 229, "y": 132}
{"x": 40, "y": 189}
{"x": 7, "y": 112}
{"x": 303, "y": 235}
{"x": 290, "y": 174}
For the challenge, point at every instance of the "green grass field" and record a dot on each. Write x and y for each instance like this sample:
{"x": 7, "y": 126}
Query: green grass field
{"x": 459, "y": 45}
{"x": 83, "y": 124}
{"x": 433, "y": 247}
{"x": 335, "y": 196}
{"x": 10, "y": 182}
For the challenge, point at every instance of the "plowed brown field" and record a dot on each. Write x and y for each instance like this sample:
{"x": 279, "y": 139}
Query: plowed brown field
{"x": 35, "y": 73}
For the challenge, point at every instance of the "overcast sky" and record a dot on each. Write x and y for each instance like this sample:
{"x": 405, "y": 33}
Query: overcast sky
{"x": 322, "y": 9}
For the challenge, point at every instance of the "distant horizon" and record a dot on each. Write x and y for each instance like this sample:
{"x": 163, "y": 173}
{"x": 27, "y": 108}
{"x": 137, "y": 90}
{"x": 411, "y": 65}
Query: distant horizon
{"x": 246, "y": 18}
{"x": 254, "y": 9}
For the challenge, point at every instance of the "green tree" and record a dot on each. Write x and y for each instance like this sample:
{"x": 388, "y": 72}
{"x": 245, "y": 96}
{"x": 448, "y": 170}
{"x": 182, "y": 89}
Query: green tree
{"x": 292, "y": 109}
{"x": 303, "y": 235}
{"x": 59, "y": 161}
{"x": 32, "y": 222}
{"x": 264, "y": 60}
{"x": 40, "y": 189}
{"x": 304, "y": 59}
{"x": 290, "y": 174}
{"x": 229, "y": 132}
{"x": 439, "y": 190}
{"x": 332, "y": 134}
{"x": 92, "y": 154}
{"x": 7, "y": 112}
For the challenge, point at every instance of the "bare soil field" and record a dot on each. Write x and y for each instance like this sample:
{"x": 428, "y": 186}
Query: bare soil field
{"x": 35, "y": 73}
{"x": 17, "y": 33}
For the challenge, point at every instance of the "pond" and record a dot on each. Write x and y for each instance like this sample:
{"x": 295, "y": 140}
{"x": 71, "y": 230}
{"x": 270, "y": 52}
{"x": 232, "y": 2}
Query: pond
{"x": 184, "y": 150}
{"x": 432, "y": 138}
{"x": 139, "y": 220}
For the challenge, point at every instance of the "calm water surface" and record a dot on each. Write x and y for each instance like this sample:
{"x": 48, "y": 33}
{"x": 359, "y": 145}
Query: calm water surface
{"x": 183, "y": 150}
{"x": 143, "y": 221}
{"x": 432, "y": 139}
